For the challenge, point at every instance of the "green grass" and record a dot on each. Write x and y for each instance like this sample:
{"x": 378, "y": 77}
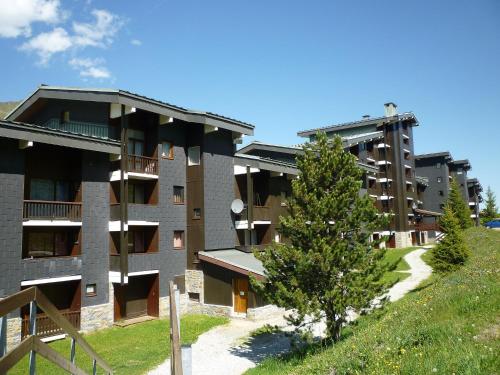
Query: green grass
{"x": 129, "y": 350}
{"x": 450, "y": 324}
{"x": 394, "y": 257}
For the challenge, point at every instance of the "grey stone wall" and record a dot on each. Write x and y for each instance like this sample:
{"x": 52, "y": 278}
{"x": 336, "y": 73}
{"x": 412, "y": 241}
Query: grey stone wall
{"x": 11, "y": 217}
{"x": 172, "y": 217}
{"x": 427, "y": 168}
{"x": 95, "y": 227}
{"x": 219, "y": 190}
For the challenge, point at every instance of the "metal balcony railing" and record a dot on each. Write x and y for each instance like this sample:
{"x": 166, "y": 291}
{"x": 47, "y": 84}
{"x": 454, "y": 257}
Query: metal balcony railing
{"x": 82, "y": 128}
{"x": 52, "y": 210}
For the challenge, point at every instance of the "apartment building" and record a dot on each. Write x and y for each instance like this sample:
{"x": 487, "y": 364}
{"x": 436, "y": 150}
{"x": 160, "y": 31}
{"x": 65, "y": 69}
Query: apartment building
{"x": 109, "y": 195}
{"x": 440, "y": 169}
{"x": 386, "y": 143}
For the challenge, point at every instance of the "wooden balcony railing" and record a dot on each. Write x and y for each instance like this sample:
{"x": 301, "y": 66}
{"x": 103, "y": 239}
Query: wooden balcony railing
{"x": 46, "y": 327}
{"x": 142, "y": 164}
{"x": 427, "y": 226}
{"x": 52, "y": 210}
{"x": 260, "y": 213}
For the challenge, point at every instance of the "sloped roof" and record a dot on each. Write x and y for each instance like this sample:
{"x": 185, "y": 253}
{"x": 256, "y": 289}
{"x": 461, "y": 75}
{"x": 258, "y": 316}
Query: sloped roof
{"x": 131, "y": 99}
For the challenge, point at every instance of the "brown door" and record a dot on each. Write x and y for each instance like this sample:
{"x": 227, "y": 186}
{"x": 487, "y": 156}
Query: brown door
{"x": 240, "y": 295}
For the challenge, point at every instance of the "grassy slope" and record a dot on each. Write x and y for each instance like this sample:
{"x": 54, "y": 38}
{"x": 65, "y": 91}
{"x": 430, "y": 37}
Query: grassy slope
{"x": 450, "y": 325}
{"x": 130, "y": 350}
{"x": 395, "y": 257}
{"x": 6, "y": 107}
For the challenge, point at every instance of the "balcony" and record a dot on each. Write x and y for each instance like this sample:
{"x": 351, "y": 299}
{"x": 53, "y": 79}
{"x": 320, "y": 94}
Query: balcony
{"x": 52, "y": 210}
{"x": 45, "y": 326}
{"x": 142, "y": 164}
{"x": 82, "y": 128}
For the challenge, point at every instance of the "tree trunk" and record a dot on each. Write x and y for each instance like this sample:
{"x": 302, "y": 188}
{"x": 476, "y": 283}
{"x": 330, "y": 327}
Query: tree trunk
{"x": 333, "y": 327}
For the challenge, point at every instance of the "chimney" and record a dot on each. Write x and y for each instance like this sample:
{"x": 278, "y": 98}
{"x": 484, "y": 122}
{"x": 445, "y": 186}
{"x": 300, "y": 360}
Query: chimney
{"x": 390, "y": 109}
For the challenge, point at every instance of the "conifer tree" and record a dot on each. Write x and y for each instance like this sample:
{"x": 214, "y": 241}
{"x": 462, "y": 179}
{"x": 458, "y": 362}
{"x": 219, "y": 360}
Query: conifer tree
{"x": 452, "y": 251}
{"x": 459, "y": 206}
{"x": 327, "y": 265}
{"x": 490, "y": 210}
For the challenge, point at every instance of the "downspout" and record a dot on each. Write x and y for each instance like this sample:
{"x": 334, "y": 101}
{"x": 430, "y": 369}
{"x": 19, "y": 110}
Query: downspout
{"x": 123, "y": 198}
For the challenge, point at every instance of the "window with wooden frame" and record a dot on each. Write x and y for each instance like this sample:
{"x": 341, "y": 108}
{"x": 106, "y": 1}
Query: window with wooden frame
{"x": 91, "y": 290}
{"x": 179, "y": 239}
{"x": 194, "y": 157}
{"x": 196, "y": 213}
{"x": 167, "y": 150}
{"x": 178, "y": 194}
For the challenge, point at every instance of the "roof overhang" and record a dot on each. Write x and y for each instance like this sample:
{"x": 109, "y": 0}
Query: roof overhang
{"x": 427, "y": 212}
{"x": 38, "y": 134}
{"x": 407, "y": 117}
{"x": 132, "y": 100}
{"x": 270, "y": 147}
{"x": 272, "y": 165}
{"x": 234, "y": 260}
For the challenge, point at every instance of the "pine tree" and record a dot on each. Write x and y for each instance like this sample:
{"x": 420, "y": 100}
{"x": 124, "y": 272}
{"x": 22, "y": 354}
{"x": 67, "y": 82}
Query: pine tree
{"x": 328, "y": 264}
{"x": 452, "y": 251}
{"x": 459, "y": 206}
{"x": 490, "y": 210}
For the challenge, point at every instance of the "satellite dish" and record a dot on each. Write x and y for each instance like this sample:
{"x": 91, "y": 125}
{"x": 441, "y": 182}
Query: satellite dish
{"x": 237, "y": 206}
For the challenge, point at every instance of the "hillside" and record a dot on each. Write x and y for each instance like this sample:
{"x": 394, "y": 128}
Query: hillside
{"x": 6, "y": 107}
{"x": 449, "y": 325}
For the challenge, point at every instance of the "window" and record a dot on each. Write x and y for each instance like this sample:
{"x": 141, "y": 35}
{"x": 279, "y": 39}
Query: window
{"x": 136, "y": 193}
{"x": 178, "y": 195}
{"x": 167, "y": 150}
{"x": 439, "y": 179}
{"x": 441, "y": 206}
{"x": 135, "y": 242}
{"x": 91, "y": 290}
{"x": 194, "y": 155}
{"x": 441, "y": 193}
{"x": 196, "y": 213}
{"x": 51, "y": 190}
{"x": 438, "y": 165}
{"x": 277, "y": 237}
{"x": 179, "y": 239}
{"x": 50, "y": 244}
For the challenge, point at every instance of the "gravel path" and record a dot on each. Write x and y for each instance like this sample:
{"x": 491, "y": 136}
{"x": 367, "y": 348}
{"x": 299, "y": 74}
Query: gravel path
{"x": 227, "y": 350}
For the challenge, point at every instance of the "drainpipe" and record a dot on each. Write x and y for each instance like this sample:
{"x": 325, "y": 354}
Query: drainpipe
{"x": 123, "y": 198}
{"x": 249, "y": 206}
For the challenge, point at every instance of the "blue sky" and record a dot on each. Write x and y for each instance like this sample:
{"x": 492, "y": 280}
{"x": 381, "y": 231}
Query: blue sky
{"x": 281, "y": 65}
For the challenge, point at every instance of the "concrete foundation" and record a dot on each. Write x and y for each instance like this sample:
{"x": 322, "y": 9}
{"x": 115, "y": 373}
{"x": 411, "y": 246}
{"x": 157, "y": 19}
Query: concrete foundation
{"x": 403, "y": 239}
{"x": 13, "y": 333}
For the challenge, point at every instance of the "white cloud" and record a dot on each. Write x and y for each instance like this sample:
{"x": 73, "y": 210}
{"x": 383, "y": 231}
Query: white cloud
{"x": 46, "y": 44}
{"x": 16, "y": 16}
{"x": 136, "y": 42}
{"x": 100, "y": 33}
{"x": 90, "y": 68}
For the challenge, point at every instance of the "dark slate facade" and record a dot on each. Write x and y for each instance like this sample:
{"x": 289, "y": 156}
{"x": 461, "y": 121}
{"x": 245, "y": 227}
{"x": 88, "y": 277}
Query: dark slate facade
{"x": 435, "y": 168}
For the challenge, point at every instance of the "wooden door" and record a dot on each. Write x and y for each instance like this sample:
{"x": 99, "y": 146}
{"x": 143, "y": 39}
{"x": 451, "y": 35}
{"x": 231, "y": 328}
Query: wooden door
{"x": 240, "y": 295}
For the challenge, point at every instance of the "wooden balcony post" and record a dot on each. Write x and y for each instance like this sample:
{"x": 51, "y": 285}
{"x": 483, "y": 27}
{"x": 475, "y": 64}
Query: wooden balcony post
{"x": 249, "y": 205}
{"x": 72, "y": 354}
{"x": 32, "y": 330}
{"x": 123, "y": 198}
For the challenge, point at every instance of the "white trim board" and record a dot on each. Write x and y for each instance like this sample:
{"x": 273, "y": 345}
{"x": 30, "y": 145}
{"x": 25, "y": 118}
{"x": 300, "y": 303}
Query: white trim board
{"x": 114, "y": 276}
{"x": 51, "y": 223}
{"x": 50, "y": 280}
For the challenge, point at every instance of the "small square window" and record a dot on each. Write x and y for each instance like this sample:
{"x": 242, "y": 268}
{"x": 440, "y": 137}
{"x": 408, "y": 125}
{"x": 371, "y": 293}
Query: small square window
{"x": 196, "y": 213}
{"x": 194, "y": 155}
{"x": 439, "y": 179}
{"x": 178, "y": 195}
{"x": 441, "y": 193}
{"x": 167, "y": 150}
{"x": 438, "y": 165}
{"x": 179, "y": 239}
{"x": 91, "y": 290}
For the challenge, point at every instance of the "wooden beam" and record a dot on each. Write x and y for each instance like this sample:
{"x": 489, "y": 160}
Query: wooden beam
{"x": 14, "y": 356}
{"x": 175, "y": 333}
{"x": 16, "y": 300}
{"x": 47, "y": 352}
